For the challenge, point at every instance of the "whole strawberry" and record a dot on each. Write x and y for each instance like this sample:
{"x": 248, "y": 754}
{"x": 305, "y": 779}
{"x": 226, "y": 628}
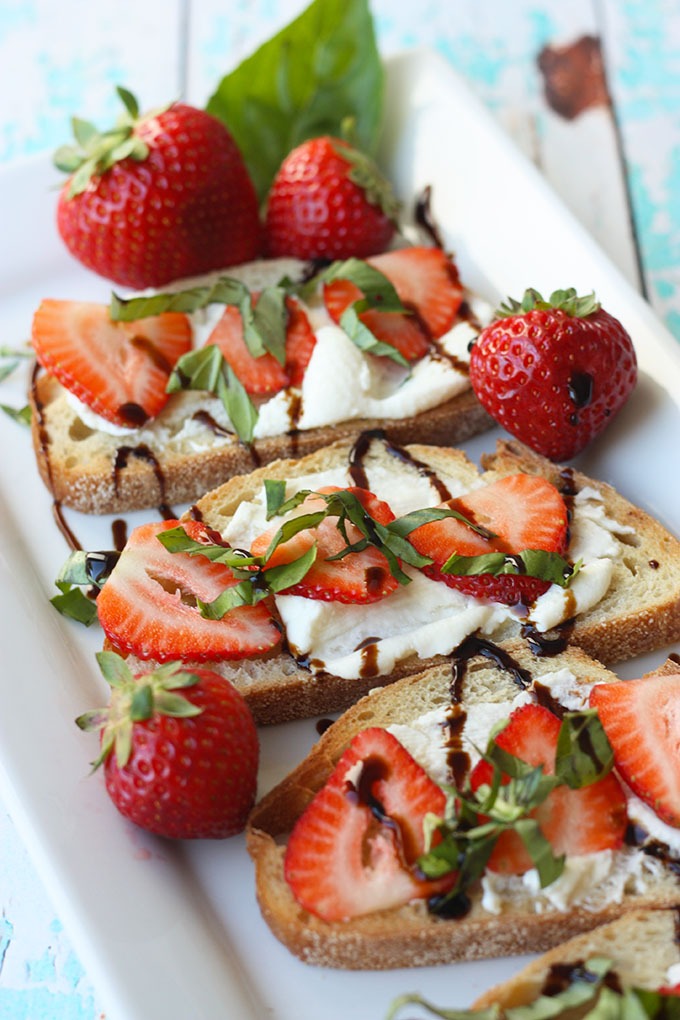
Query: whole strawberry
{"x": 553, "y": 373}
{"x": 159, "y": 197}
{"x": 329, "y": 201}
{"x": 181, "y": 765}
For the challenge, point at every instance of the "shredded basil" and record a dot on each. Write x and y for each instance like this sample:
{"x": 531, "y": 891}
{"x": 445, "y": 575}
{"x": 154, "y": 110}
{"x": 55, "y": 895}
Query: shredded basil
{"x": 206, "y": 369}
{"x": 583, "y": 757}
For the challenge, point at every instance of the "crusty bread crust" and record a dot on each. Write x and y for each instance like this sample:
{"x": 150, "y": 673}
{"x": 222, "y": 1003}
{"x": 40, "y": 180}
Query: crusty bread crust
{"x": 642, "y": 946}
{"x": 78, "y": 465}
{"x": 640, "y": 613}
{"x": 410, "y": 936}
{"x": 641, "y": 610}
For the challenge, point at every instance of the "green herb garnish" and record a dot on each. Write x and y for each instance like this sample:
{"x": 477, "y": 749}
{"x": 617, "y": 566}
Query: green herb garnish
{"x": 206, "y": 369}
{"x": 21, "y": 415}
{"x": 589, "y": 992}
{"x": 583, "y": 757}
{"x": 304, "y": 82}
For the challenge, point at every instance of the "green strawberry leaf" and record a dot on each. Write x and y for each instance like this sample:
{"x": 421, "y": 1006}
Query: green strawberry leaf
{"x": 566, "y": 300}
{"x": 321, "y": 68}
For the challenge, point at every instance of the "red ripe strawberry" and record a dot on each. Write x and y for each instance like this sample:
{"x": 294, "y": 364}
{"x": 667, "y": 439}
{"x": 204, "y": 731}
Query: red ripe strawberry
{"x": 522, "y": 511}
{"x": 163, "y": 196}
{"x": 553, "y": 373}
{"x": 329, "y": 201}
{"x": 148, "y": 604}
{"x": 358, "y": 577}
{"x": 353, "y": 850}
{"x": 182, "y": 765}
{"x": 642, "y": 721}
{"x": 265, "y": 375}
{"x": 574, "y": 822}
{"x": 119, "y": 369}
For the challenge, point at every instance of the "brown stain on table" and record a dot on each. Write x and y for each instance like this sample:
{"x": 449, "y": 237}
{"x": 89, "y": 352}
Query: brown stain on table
{"x": 574, "y": 78}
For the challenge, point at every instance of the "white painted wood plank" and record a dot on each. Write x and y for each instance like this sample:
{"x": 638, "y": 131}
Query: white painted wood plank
{"x": 61, "y": 59}
{"x": 642, "y": 43}
{"x": 498, "y": 55}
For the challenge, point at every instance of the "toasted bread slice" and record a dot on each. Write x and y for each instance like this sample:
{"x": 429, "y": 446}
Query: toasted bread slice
{"x": 517, "y": 920}
{"x": 639, "y": 612}
{"x": 642, "y": 947}
{"x": 190, "y": 446}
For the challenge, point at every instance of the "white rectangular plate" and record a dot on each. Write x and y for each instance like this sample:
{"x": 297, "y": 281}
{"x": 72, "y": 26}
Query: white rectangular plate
{"x": 174, "y": 930}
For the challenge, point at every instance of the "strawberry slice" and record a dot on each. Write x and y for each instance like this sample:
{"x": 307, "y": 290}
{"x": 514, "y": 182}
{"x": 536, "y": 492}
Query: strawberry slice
{"x": 354, "y": 848}
{"x": 264, "y": 376}
{"x": 427, "y": 282}
{"x": 574, "y": 822}
{"x": 403, "y": 332}
{"x": 300, "y": 342}
{"x": 119, "y": 369}
{"x": 148, "y": 604}
{"x": 642, "y": 721}
{"x": 521, "y": 511}
{"x": 357, "y": 577}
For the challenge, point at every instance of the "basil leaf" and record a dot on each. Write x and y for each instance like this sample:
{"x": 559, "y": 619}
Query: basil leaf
{"x": 275, "y": 493}
{"x": 547, "y": 864}
{"x": 362, "y": 337}
{"x": 176, "y": 540}
{"x": 320, "y": 69}
{"x": 409, "y": 522}
{"x": 584, "y": 753}
{"x": 548, "y": 566}
{"x": 492, "y": 1013}
{"x": 74, "y": 604}
{"x": 224, "y": 291}
{"x": 656, "y": 1003}
{"x": 238, "y": 405}
{"x": 206, "y": 369}
{"x": 16, "y": 352}
{"x": 378, "y": 293}
{"x": 6, "y": 370}
{"x": 377, "y": 289}
{"x": 87, "y": 568}
{"x": 293, "y": 527}
{"x": 287, "y": 574}
{"x": 21, "y": 415}
{"x": 267, "y": 331}
{"x": 241, "y": 594}
{"x": 197, "y": 370}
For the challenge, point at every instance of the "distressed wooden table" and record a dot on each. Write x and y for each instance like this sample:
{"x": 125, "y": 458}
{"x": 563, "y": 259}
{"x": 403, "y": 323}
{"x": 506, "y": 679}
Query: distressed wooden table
{"x": 590, "y": 90}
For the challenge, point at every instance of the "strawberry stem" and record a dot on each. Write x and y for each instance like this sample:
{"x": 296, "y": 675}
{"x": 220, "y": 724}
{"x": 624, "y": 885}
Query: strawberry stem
{"x": 565, "y": 300}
